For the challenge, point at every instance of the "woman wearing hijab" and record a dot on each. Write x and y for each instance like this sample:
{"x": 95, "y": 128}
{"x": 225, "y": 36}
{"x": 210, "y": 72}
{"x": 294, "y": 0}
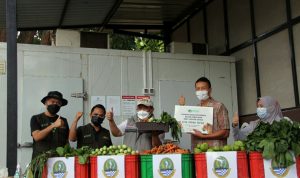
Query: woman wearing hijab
{"x": 268, "y": 110}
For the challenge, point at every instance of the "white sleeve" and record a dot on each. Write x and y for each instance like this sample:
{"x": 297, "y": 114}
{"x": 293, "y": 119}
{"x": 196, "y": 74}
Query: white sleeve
{"x": 122, "y": 126}
{"x": 244, "y": 131}
{"x": 162, "y": 137}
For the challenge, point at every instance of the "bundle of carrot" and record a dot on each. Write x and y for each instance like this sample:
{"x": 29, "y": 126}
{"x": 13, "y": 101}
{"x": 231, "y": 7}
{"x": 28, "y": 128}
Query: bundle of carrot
{"x": 166, "y": 148}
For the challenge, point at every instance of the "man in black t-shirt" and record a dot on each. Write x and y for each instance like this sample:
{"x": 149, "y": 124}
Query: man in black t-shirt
{"x": 48, "y": 129}
{"x": 92, "y": 134}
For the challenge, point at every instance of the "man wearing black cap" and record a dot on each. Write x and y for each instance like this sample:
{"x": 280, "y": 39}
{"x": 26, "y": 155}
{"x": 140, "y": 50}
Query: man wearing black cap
{"x": 48, "y": 129}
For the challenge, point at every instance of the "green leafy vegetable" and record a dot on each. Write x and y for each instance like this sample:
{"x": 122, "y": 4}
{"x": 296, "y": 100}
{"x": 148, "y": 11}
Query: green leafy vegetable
{"x": 37, "y": 164}
{"x": 276, "y": 141}
{"x": 173, "y": 124}
{"x": 83, "y": 154}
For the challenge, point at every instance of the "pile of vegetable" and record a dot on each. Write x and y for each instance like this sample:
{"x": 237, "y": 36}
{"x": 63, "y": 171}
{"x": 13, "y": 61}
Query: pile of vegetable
{"x": 171, "y": 122}
{"x": 82, "y": 153}
{"x": 237, "y": 146}
{"x": 166, "y": 149}
{"x": 37, "y": 164}
{"x": 114, "y": 150}
{"x": 276, "y": 141}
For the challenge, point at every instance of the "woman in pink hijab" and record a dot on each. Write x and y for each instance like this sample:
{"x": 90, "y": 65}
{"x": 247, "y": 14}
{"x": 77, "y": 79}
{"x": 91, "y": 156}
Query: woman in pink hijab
{"x": 268, "y": 110}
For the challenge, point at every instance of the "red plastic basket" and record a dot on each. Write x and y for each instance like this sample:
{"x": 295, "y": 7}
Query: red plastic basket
{"x": 242, "y": 164}
{"x": 81, "y": 170}
{"x": 132, "y": 166}
{"x": 201, "y": 165}
{"x": 298, "y": 166}
{"x": 45, "y": 171}
{"x": 256, "y": 165}
{"x": 93, "y": 166}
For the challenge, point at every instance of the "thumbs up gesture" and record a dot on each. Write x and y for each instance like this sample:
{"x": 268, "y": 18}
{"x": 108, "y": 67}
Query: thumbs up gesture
{"x": 181, "y": 100}
{"x": 235, "y": 119}
{"x": 58, "y": 123}
{"x": 110, "y": 115}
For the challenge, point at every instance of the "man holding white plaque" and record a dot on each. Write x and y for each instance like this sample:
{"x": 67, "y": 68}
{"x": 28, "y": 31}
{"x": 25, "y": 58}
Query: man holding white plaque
{"x": 208, "y": 123}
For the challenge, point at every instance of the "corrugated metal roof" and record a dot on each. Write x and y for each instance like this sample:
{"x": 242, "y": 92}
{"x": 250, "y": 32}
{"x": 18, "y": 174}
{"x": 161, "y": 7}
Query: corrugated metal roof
{"x": 85, "y": 12}
{"x": 35, "y": 13}
{"x": 38, "y": 14}
{"x": 2, "y": 13}
{"x": 147, "y": 11}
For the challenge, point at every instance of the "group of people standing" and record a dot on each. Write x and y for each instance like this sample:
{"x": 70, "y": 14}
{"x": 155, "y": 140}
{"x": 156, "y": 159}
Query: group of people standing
{"x": 50, "y": 130}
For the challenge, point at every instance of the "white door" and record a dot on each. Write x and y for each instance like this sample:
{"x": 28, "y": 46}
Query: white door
{"x": 169, "y": 92}
{"x": 34, "y": 89}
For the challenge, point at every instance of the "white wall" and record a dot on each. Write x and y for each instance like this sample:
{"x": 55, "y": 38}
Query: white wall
{"x": 275, "y": 69}
{"x": 246, "y": 84}
{"x": 116, "y": 73}
{"x": 178, "y": 69}
{"x": 67, "y": 38}
{"x": 3, "y": 119}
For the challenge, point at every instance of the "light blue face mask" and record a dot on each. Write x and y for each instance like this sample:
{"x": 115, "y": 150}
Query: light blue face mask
{"x": 262, "y": 113}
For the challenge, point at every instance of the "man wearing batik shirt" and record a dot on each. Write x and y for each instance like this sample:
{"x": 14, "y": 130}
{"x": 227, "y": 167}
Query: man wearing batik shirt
{"x": 219, "y": 131}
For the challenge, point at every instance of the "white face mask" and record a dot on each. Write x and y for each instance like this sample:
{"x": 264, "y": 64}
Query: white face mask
{"x": 143, "y": 114}
{"x": 202, "y": 95}
{"x": 262, "y": 113}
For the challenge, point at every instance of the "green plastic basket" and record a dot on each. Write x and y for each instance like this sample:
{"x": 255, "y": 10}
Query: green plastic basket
{"x": 187, "y": 164}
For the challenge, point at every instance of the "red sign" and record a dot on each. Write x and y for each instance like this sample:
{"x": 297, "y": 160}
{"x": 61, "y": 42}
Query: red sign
{"x": 128, "y": 97}
{"x": 143, "y": 97}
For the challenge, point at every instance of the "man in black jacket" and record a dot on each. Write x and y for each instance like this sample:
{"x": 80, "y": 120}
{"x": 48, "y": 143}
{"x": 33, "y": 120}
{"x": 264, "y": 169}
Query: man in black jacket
{"x": 48, "y": 129}
{"x": 92, "y": 134}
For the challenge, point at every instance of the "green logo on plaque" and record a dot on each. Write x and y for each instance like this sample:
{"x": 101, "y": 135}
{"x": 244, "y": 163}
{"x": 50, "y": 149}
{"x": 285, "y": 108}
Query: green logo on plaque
{"x": 110, "y": 168}
{"x": 192, "y": 110}
{"x": 166, "y": 168}
{"x": 59, "y": 170}
{"x": 221, "y": 167}
{"x": 278, "y": 170}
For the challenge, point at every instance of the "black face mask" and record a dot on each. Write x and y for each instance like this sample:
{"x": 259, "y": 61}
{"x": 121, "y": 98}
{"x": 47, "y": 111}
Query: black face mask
{"x": 97, "y": 121}
{"x": 53, "y": 108}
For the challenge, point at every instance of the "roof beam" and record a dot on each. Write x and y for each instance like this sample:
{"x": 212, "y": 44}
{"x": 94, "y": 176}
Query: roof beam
{"x": 110, "y": 14}
{"x": 189, "y": 13}
{"x": 122, "y": 26}
{"x": 139, "y": 34}
{"x": 108, "y": 26}
{"x": 63, "y": 13}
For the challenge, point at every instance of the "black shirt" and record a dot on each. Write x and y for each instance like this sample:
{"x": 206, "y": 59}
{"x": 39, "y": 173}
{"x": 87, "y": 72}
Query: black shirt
{"x": 58, "y": 137}
{"x": 88, "y": 136}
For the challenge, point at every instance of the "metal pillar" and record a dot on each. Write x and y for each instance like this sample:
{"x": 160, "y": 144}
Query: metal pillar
{"x": 292, "y": 51}
{"x": 12, "y": 82}
{"x": 255, "y": 55}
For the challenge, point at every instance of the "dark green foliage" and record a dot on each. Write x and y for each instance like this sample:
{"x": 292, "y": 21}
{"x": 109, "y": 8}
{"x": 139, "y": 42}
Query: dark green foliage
{"x": 275, "y": 141}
